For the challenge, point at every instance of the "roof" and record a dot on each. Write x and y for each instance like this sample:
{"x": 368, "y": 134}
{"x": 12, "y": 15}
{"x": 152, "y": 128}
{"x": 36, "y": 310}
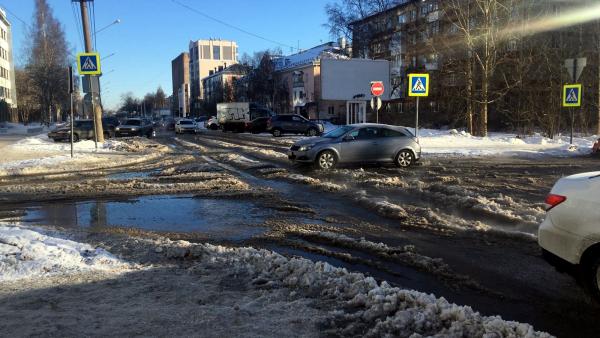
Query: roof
{"x": 374, "y": 125}
{"x": 399, "y": 3}
{"x": 326, "y": 50}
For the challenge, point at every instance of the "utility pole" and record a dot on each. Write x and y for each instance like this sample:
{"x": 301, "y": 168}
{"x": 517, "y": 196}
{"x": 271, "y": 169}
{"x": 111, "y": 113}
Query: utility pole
{"x": 96, "y": 109}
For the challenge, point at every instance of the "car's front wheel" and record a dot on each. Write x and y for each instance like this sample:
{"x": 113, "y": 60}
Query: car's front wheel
{"x": 405, "y": 158}
{"x": 277, "y": 132}
{"x": 326, "y": 160}
{"x": 75, "y": 138}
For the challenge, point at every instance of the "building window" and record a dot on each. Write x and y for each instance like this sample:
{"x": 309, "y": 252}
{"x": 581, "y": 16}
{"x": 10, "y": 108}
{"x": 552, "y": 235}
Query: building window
{"x": 403, "y": 18}
{"x": 331, "y": 110}
{"x": 227, "y": 53}
{"x": 205, "y": 52}
{"x": 413, "y": 15}
{"x": 216, "y": 52}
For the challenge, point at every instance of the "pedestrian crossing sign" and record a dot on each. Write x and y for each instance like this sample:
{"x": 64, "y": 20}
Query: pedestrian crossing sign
{"x": 572, "y": 95}
{"x": 88, "y": 63}
{"x": 418, "y": 84}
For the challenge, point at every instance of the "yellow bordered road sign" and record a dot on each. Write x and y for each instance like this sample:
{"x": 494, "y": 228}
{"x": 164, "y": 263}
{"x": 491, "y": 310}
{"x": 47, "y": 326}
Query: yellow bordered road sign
{"x": 88, "y": 64}
{"x": 418, "y": 84}
{"x": 572, "y": 95}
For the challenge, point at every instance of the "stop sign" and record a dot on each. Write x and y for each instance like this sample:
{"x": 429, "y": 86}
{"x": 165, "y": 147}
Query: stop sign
{"x": 377, "y": 88}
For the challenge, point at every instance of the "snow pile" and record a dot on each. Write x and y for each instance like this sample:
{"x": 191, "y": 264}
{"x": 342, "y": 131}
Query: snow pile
{"x": 365, "y": 308}
{"x": 444, "y": 142}
{"x": 315, "y": 182}
{"x": 41, "y": 143}
{"x": 20, "y": 129}
{"x": 27, "y": 253}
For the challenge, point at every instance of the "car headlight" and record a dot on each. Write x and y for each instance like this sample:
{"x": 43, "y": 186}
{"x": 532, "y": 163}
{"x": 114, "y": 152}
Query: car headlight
{"x": 306, "y": 147}
{"x": 134, "y": 129}
{"x": 117, "y": 128}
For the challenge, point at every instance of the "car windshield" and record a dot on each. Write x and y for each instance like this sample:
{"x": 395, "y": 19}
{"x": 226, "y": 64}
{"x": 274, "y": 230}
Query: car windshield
{"x": 133, "y": 122}
{"x": 338, "y": 132}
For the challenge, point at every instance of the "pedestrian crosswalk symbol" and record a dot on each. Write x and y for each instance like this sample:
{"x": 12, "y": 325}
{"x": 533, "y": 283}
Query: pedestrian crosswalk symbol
{"x": 88, "y": 63}
{"x": 572, "y": 95}
{"x": 418, "y": 85}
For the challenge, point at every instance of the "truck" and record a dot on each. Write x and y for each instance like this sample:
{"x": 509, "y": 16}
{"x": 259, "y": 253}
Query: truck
{"x": 235, "y": 116}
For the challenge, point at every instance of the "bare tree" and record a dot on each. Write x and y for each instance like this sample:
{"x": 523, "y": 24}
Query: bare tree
{"x": 48, "y": 60}
{"x": 341, "y": 14}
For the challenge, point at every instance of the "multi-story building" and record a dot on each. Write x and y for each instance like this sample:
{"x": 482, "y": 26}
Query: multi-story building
{"x": 324, "y": 83}
{"x": 206, "y": 56}
{"x": 180, "y": 74}
{"x": 8, "y": 91}
{"x": 404, "y": 35}
{"x": 220, "y": 86}
{"x": 512, "y": 82}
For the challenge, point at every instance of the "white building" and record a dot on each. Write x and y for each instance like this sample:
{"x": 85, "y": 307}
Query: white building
{"x": 207, "y": 57}
{"x": 8, "y": 91}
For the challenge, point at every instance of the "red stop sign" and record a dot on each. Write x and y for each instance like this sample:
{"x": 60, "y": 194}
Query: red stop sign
{"x": 377, "y": 88}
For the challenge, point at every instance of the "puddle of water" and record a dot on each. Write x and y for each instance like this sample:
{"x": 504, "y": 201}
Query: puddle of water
{"x": 219, "y": 219}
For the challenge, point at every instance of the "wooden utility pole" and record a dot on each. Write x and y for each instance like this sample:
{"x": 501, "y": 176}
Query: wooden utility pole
{"x": 96, "y": 109}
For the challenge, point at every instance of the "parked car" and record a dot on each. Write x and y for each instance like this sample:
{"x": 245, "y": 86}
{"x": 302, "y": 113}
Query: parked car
{"x": 212, "y": 123}
{"x": 258, "y": 125}
{"x": 570, "y": 235}
{"x": 185, "y": 126}
{"x": 359, "y": 143}
{"x": 294, "y": 124}
{"x": 596, "y": 148}
{"x": 84, "y": 130}
{"x": 136, "y": 127}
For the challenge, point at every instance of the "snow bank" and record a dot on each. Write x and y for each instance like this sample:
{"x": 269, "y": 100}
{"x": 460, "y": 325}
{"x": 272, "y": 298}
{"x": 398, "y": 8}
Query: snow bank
{"x": 365, "y": 307}
{"x": 41, "y": 143}
{"x": 453, "y": 142}
{"x": 28, "y": 252}
{"x": 8, "y": 128}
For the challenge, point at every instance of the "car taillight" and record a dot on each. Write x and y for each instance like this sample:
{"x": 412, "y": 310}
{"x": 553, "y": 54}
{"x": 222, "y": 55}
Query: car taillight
{"x": 553, "y": 200}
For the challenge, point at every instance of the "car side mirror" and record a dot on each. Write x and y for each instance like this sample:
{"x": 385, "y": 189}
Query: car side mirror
{"x": 348, "y": 138}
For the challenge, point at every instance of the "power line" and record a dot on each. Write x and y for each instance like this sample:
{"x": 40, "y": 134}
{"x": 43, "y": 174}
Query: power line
{"x": 77, "y": 22}
{"x": 13, "y": 14}
{"x": 232, "y": 26}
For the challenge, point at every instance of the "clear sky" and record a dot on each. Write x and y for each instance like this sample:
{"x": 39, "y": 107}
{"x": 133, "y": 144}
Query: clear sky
{"x": 153, "y": 32}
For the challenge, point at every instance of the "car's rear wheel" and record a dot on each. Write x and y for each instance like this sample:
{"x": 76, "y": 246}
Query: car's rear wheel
{"x": 405, "y": 158}
{"x": 277, "y": 132}
{"x": 311, "y": 132}
{"x": 326, "y": 160}
{"x": 75, "y": 138}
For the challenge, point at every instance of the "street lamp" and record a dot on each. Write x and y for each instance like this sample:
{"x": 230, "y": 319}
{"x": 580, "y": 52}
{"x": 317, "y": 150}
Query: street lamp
{"x": 117, "y": 21}
{"x": 109, "y": 55}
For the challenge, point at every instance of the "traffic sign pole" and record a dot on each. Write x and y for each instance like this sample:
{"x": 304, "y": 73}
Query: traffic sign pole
{"x": 417, "y": 121}
{"x": 71, "y": 90}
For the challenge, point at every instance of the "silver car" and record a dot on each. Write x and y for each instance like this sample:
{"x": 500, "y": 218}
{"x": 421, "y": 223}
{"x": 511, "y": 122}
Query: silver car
{"x": 356, "y": 143}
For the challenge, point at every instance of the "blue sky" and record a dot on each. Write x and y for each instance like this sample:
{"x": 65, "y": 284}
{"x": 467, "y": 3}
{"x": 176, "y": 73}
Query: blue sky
{"x": 153, "y": 32}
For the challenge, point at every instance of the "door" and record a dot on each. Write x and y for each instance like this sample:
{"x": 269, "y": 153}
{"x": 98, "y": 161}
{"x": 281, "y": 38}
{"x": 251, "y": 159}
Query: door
{"x": 389, "y": 143}
{"x": 361, "y": 148}
{"x": 298, "y": 124}
{"x": 356, "y": 112}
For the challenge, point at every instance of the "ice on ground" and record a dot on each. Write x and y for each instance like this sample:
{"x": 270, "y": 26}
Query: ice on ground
{"x": 28, "y": 252}
{"x": 444, "y": 142}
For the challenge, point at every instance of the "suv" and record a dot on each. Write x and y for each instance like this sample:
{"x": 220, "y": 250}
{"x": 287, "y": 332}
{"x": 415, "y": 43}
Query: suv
{"x": 295, "y": 124}
{"x": 570, "y": 236}
{"x": 84, "y": 129}
{"x": 135, "y": 127}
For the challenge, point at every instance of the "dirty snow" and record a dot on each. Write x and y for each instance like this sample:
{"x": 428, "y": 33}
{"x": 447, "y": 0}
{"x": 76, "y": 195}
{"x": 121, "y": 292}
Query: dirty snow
{"x": 28, "y": 252}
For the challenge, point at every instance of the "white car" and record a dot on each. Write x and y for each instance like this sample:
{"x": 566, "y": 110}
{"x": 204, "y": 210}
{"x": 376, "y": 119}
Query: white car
{"x": 570, "y": 235}
{"x": 185, "y": 126}
{"x": 212, "y": 123}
